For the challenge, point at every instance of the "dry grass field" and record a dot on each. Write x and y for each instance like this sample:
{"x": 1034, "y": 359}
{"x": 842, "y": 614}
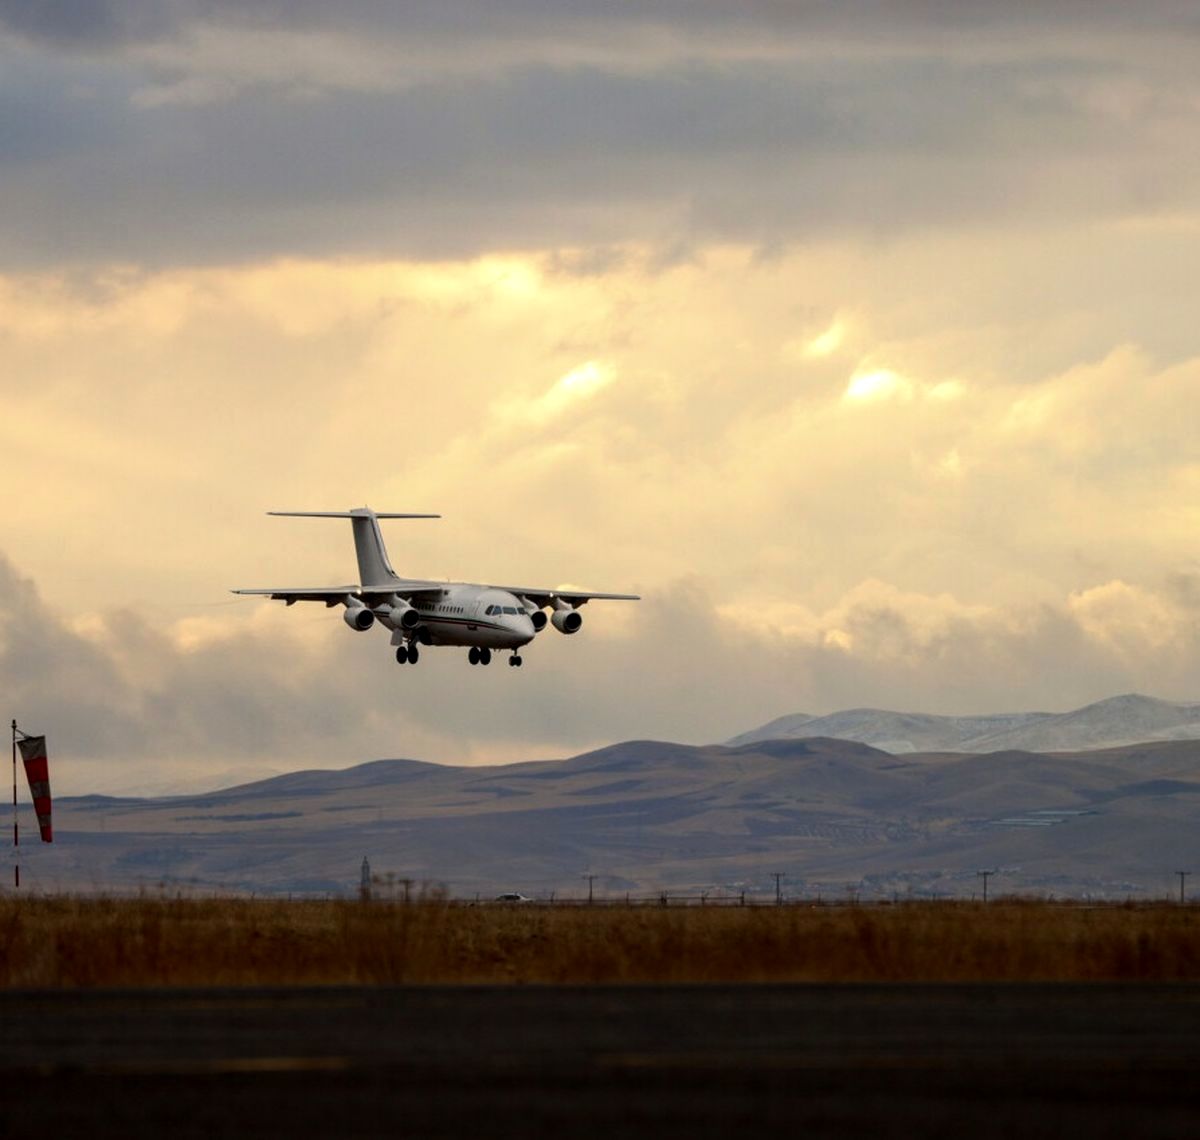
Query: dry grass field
{"x": 73, "y": 941}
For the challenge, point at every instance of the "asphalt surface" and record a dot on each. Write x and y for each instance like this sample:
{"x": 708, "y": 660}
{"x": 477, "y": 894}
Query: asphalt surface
{"x": 696, "y": 1061}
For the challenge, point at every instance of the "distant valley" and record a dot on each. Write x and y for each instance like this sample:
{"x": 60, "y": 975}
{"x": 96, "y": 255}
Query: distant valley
{"x": 836, "y": 817}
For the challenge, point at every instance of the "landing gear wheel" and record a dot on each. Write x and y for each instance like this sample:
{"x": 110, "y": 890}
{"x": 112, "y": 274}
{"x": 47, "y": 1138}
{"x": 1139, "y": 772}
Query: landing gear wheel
{"x": 402, "y": 655}
{"x": 485, "y": 656}
{"x": 414, "y": 655}
{"x": 515, "y": 659}
{"x": 473, "y": 654}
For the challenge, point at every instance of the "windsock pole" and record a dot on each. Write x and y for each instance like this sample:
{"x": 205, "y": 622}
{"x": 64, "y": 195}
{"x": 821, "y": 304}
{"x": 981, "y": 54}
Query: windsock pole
{"x": 16, "y": 839}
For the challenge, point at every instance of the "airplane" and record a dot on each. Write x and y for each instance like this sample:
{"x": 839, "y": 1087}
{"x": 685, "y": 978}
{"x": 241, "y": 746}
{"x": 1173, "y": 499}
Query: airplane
{"x": 419, "y": 612}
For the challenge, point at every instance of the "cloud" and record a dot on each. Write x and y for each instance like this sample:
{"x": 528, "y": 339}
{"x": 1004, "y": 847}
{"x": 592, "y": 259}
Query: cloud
{"x": 878, "y": 384}
{"x": 860, "y": 341}
{"x": 567, "y": 393}
{"x": 670, "y": 26}
{"x": 76, "y": 24}
{"x": 215, "y": 132}
{"x": 1019, "y": 532}
{"x": 693, "y": 440}
{"x": 135, "y": 707}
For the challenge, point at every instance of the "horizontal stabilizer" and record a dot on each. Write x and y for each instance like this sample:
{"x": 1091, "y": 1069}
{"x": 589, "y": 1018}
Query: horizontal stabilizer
{"x": 349, "y": 515}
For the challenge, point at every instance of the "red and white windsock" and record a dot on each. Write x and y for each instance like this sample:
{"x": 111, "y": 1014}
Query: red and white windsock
{"x": 37, "y": 772}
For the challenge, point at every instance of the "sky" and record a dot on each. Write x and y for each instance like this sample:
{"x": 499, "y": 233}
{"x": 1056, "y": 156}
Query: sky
{"x": 859, "y": 339}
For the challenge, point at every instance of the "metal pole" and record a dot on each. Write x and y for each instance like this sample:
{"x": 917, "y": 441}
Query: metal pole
{"x": 1182, "y": 875}
{"x": 778, "y": 891}
{"x": 984, "y": 876}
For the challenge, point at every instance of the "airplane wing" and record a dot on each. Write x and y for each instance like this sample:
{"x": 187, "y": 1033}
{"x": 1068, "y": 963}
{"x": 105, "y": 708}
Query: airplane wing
{"x": 540, "y": 596}
{"x": 332, "y": 595}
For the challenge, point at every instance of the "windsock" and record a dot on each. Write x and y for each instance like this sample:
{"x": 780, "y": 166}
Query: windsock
{"x": 37, "y": 772}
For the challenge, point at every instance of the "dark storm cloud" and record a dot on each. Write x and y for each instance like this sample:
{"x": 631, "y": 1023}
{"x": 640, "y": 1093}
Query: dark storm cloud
{"x": 106, "y": 24}
{"x": 462, "y": 127}
{"x": 90, "y": 24}
{"x": 42, "y": 122}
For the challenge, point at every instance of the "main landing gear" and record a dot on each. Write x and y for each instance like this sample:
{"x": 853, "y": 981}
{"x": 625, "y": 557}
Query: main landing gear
{"x": 479, "y": 656}
{"x": 408, "y": 654}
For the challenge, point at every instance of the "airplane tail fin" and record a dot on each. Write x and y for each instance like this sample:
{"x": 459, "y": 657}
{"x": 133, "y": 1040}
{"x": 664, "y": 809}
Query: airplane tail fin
{"x": 374, "y": 569}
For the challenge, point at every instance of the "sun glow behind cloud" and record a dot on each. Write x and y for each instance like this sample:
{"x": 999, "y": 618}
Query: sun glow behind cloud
{"x": 828, "y": 342}
{"x": 572, "y": 389}
{"x": 878, "y": 385}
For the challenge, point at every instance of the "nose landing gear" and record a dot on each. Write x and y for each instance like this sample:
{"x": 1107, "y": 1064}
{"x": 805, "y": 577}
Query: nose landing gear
{"x": 515, "y": 659}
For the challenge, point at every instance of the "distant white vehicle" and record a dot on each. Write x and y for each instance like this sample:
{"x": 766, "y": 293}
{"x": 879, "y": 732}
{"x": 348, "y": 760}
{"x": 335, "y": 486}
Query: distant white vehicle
{"x": 420, "y": 612}
{"x": 513, "y": 897}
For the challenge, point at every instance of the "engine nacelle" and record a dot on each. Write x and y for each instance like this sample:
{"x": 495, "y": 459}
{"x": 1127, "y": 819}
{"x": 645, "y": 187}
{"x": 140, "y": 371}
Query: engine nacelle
{"x": 566, "y": 619}
{"x": 402, "y": 615}
{"x": 537, "y": 616}
{"x": 357, "y": 616}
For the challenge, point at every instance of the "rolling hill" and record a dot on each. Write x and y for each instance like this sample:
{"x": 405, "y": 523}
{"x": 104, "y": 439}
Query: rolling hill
{"x": 835, "y": 816}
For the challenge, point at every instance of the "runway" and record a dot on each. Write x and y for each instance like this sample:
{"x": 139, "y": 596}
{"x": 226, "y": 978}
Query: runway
{"x": 694, "y": 1061}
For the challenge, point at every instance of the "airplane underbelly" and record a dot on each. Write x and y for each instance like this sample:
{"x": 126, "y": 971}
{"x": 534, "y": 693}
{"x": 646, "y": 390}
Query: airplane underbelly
{"x": 471, "y": 633}
{"x": 444, "y": 632}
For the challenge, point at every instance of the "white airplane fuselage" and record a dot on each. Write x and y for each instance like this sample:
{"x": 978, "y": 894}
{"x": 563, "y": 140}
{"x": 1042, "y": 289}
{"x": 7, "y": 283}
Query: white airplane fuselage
{"x": 468, "y": 614}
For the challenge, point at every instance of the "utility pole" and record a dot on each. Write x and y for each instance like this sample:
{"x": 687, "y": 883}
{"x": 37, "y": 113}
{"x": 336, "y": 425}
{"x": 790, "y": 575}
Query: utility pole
{"x": 364, "y": 882}
{"x": 778, "y": 889}
{"x": 1182, "y": 875}
{"x": 984, "y": 876}
{"x": 591, "y": 879}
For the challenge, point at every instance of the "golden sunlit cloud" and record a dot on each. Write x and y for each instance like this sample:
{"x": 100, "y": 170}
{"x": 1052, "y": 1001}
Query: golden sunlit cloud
{"x": 1125, "y": 618}
{"x": 827, "y": 342}
{"x": 838, "y": 639}
{"x": 946, "y": 390}
{"x": 885, "y": 384}
{"x": 574, "y": 388}
{"x": 623, "y": 427}
{"x": 950, "y": 466}
{"x": 877, "y": 385}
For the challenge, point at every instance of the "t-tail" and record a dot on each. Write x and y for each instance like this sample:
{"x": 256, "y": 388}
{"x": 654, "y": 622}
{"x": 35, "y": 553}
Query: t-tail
{"x": 374, "y": 570}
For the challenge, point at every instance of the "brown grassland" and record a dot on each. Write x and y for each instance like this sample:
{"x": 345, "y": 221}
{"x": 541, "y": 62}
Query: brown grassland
{"x": 150, "y": 941}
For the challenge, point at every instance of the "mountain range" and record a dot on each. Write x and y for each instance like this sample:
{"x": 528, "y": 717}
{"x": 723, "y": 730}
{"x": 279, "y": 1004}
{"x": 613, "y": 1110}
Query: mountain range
{"x": 833, "y": 816}
{"x": 1128, "y": 719}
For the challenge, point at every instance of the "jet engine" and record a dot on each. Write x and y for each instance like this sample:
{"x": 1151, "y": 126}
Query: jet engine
{"x": 357, "y": 616}
{"x": 566, "y": 619}
{"x": 402, "y": 615}
{"x": 536, "y": 616}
